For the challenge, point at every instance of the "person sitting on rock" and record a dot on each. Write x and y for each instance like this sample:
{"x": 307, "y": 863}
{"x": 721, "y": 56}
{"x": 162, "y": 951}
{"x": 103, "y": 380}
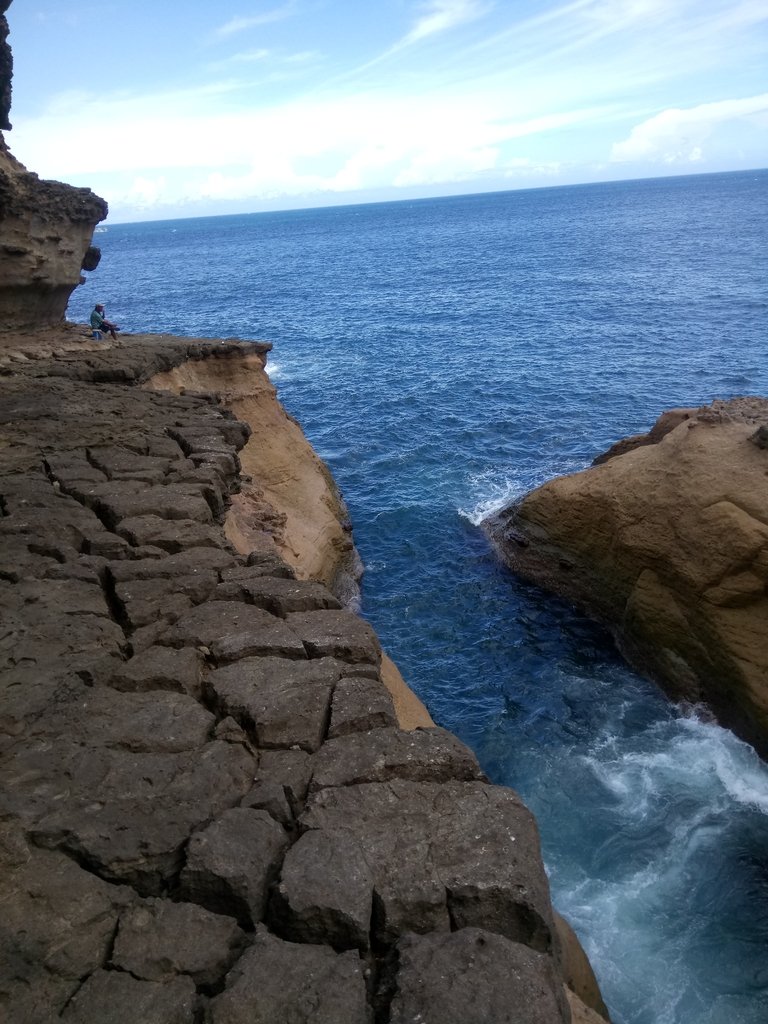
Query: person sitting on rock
{"x": 100, "y": 323}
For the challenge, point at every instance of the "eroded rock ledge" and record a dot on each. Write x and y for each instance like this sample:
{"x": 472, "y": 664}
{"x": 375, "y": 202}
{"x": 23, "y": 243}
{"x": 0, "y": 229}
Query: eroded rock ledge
{"x": 666, "y": 542}
{"x": 209, "y": 810}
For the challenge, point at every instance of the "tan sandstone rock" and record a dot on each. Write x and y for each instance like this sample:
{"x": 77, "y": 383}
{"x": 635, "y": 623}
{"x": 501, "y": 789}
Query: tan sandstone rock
{"x": 667, "y": 544}
{"x": 46, "y": 229}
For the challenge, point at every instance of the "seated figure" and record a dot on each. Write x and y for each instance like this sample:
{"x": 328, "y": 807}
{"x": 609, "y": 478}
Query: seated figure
{"x": 100, "y": 323}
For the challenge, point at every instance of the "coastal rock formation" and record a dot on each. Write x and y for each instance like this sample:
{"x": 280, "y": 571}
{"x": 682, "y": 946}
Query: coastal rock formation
{"x": 283, "y": 482}
{"x": 47, "y": 229}
{"x": 6, "y": 69}
{"x": 210, "y": 810}
{"x": 665, "y": 540}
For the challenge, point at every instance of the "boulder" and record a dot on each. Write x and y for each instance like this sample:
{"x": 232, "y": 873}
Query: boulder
{"x": 667, "y": 544}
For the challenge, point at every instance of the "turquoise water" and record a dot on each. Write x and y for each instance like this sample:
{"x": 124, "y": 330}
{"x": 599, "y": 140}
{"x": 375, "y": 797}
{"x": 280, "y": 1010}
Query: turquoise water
{"x": 445, "y": 356}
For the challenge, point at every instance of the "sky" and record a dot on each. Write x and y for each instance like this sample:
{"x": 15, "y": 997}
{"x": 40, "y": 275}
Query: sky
{"x": 198, "y": 107}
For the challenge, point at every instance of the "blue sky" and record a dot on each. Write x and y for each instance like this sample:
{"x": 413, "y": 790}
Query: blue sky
{"x": 197, "y": 107}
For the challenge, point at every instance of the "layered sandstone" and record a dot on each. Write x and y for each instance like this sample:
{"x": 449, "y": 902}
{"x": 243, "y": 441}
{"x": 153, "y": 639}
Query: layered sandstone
{"x": 210, "y": 809}
{"x": 665, "y": 541}
{"x": 47, "y": 229}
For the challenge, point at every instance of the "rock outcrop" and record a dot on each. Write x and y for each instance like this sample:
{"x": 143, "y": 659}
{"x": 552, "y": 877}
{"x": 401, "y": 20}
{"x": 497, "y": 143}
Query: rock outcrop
{"x": 666, "y": 542}
{"x": 46, "y": 229}
{"x": 6, "y": 69}
{"x": 209, "y": 809}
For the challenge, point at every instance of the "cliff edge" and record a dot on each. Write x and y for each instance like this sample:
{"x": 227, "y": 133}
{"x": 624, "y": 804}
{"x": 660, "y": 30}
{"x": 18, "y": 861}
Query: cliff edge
{"x": 210, "y": 810}
{"x": 665, "y": 540}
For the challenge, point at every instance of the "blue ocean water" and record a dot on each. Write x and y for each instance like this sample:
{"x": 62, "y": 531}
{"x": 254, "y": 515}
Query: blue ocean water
{"x": 445, "y": 356}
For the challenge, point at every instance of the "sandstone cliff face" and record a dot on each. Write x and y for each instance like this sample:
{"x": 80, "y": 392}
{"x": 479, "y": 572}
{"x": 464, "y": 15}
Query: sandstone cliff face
{"x": 288, "y": 502}
{"x": 45, "y": 229}
{"x": 666, "y": 541}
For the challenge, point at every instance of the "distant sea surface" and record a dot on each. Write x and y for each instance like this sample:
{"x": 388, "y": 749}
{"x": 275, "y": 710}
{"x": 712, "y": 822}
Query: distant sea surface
{"x": 445, "y": 356}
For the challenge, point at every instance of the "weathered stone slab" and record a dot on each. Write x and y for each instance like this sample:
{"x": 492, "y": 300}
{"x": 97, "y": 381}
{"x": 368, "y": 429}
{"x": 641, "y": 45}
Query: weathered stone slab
{"x": 114, "y": 997}
{"x": 118, "y": 500}
{"x": 161, "y": 668}
{"x": 269, "y": 564}
{"x": 475, "y": 975}
{"x": 421, "y": 755}
{"x": 360, "y": 704}
{"x": 259, "y": 563}
{"x": 127, "y": 814}
{"x": 146, "y": 601}
{"x": 191, "y": 562}
{"x": 61, "y": 517}
{"x": 283, "y": 703}
{"x": 161, "y": 722}
{"x": 336, "y": 634}
{"x": 122, "y": 464}
{"x": 73, "y": 467}
{"x": 279, "y": 596}
{"x": 158, "y": 940}
{"x": 325, "y": 892}
{"x": 279, "y": 981}
{"x": 172, "y": 535}
{"x": 57, "y": 926}
{"x": 231, "y": 863}
{"x": 460, "y": 852}
{"x": 231, "y": 630}
{"x": 55, "y": 627}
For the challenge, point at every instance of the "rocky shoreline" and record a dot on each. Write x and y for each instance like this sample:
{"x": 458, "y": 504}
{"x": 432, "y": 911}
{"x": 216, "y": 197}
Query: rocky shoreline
{"x": 210, "y": 809}
{"x": 665, "y": 541}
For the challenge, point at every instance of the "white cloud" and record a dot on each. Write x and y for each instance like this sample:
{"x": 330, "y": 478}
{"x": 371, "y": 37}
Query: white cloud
{"x": 441, "y": 15}
{"x": 242, "y": 24}
{"x": 247, "y": 57}
{"x": 678, "y": 135}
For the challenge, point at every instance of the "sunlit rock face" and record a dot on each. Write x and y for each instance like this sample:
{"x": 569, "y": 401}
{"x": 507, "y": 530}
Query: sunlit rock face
{"x": 45, "y": 228}
{"x": 666, "y": 542}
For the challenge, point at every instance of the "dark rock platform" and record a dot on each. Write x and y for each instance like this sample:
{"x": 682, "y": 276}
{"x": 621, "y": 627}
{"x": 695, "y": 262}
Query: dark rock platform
{"x": 208, "y": 810}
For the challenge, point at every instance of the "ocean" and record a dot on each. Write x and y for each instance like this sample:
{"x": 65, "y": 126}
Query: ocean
{"x": 444, "y": 356}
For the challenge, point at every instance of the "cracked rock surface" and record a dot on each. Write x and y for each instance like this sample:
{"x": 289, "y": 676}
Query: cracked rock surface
{"x": 208, "y": 811}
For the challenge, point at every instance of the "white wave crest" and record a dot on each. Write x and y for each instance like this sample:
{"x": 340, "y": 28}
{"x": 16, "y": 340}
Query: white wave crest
{"x": 496, "y": 495}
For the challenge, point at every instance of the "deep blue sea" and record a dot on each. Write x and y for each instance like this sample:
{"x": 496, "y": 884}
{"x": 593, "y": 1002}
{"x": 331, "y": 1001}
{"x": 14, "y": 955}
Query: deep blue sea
{"x": 444, "y": 356}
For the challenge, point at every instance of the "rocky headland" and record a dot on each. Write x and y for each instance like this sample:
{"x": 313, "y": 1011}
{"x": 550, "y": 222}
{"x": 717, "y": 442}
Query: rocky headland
{"x": 221, "y": 803}
{"x": 665, "y": 541}
{"x": 211, "y": 809}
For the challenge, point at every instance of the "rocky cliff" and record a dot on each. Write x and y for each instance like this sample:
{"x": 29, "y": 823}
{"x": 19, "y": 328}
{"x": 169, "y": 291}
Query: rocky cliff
{"x": 210, "y": 808}
{"x": 665, "y": 540}
{"x": 45, "y": 229}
